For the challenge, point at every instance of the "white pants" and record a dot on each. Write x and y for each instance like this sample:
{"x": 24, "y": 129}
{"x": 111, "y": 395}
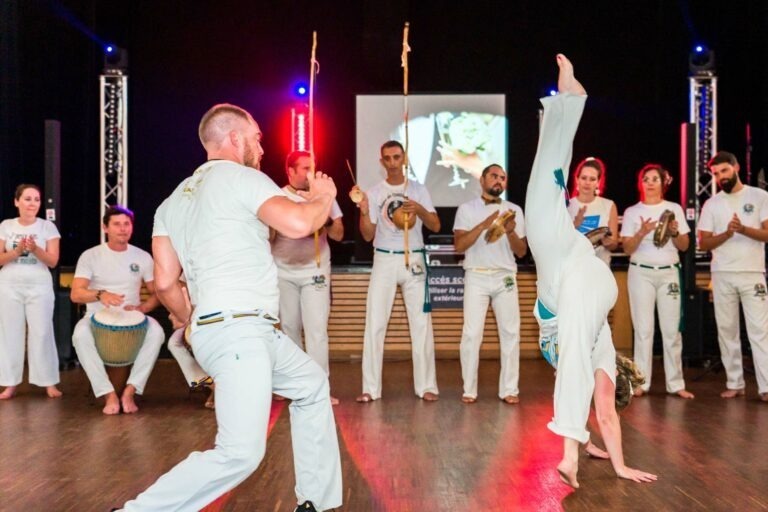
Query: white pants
{"x": 572, "y": 282}
{"x": 85, "y": 346}
{"x": 501, "y": 290}
{"x": 305, "y": 301}
{"x": 249, "y": 359}
{"x": 22, "y": 306}
{"x": 388, "y": 272}
{"x": 189, "y": 366}
{"x": 660, "y": 289}
{"x": 748, "y": 287}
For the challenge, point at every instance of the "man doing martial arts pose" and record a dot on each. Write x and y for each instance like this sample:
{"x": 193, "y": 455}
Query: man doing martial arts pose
{"x": 576, "y": 290}
{"x": 734, "y": 226}
{"x": 304, "y": 269}
{"x": 215, "y": 228}
{"x": 377, "y": 222}
{"x": 490, "y": 275}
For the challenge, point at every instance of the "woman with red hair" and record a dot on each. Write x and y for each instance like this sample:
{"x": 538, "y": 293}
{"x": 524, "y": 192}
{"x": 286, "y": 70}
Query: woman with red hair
{"x": 590, "y": 211}
{"x": 653, "y": 233}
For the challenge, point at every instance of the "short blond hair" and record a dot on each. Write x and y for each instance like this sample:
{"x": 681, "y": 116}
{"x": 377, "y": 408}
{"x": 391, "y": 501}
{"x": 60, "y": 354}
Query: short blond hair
{"x": 219, "y": 121}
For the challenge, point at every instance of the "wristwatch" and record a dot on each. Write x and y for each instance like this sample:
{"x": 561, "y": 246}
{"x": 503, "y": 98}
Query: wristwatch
{"x": 98, "y": 294}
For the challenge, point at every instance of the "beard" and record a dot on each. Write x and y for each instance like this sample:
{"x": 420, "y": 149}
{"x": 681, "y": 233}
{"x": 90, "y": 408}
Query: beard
{"x": 249, "y": 157}
{"x": 727, "y": 184}
{"x": 495, "y": 191}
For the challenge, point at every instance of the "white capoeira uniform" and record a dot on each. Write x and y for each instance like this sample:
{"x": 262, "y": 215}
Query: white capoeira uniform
{"x": 597, "y": 215}
{"x": 187, "y": 362}
{"x": 654, "y": 279}
{"x": 576, "y": 290}
{"x": 27, "y": 302}
{"x": 305, "y": 287}
{"x": 119, "y": 272}
{"x": 387, "y": 273}
{"x": 490, "y": 275}
{"x": 224, "y": 250}
{"x": 738, "y": 275}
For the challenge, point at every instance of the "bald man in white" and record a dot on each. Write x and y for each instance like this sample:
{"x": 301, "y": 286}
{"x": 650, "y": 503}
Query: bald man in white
{"x": 215, "y": 228}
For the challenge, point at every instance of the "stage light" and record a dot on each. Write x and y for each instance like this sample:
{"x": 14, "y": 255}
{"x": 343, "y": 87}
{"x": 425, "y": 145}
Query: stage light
{"x": 109, "y": 49}
{"x": 701, "y": 60}
{"x": 115, "y": 59}
{"x": 552, "y": 92}
{"x": 300, "y": 90}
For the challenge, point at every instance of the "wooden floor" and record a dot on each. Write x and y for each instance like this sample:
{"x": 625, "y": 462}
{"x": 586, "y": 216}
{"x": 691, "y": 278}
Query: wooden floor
{"x": 398, "y": 454}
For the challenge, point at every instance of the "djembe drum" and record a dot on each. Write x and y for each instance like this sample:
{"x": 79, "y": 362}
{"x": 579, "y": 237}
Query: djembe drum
{"x": 119, "y": 335}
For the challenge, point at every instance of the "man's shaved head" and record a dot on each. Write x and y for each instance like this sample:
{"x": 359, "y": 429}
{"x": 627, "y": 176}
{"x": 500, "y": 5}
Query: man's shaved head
{"x": 219, "y": 121}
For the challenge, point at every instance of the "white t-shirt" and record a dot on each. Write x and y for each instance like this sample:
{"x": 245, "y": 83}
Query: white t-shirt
{"x": 26, "y": 268}
{"x": 597, "y": 215}
{"x": 647, "y": 253}
{"x": 115, "y": 271}
{"x": 481, "y": 254}
{"x": 383, "y": 199}
{"x": 739, "y": 253}
{"x": 299, "y": 254}
{"x": 223, "y": 247}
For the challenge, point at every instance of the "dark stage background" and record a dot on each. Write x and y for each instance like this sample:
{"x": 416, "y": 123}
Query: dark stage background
{"x": 187, "y": 55}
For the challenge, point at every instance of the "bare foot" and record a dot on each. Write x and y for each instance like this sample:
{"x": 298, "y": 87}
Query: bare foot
{"x": 684, "y": 393}
{"x": 210, "y": 402}
{"x": 364, "y": 398}
{"x": 8, "y": 393}
{"x": 334, "y": 400}
{"x": 732, "y": 393}
{"x": 764, "y": 397}
{"x": 595, "y": 452}
{"x": 429, "y": 397}
{"x": 567, "y": 471}
{"x": 511, "y": 399}
{"x": 52, "y": 392}
{"x": 113, "y": 404}
{"x": 566, "y": 82}
{"x": 127, "y": 401}
{"x": 638, "y": 392}
{"x": 468, "y": 399}
{"x": 636, "y": 475}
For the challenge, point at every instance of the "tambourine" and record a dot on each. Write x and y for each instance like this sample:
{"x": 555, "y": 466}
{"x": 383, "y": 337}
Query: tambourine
{"x": 595, "y": 236}
{"x": 497, "y": 229}
{"x": 399, "y": 216}
{"x": 662, "y": 234}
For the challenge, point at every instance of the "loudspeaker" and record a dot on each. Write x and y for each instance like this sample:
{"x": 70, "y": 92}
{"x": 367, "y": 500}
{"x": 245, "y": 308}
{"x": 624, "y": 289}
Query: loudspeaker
{"x": 700, "y": 336}
{"x": 64, "y": 319}
{"x": 52, "y": 202}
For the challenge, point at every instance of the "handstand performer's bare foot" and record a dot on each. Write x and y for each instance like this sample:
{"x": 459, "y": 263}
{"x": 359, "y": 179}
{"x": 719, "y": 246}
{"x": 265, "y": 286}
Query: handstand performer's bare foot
{"x": 684, "y": 393}
{"x": 566, "y": 81}
{"x": 468, "y": 399}
{"x": 113, "y": 404}
{"x": 567, "y": 471}
{"x": 595, "y": 452}
{"x": 52, "y": 392}
{"x": 8, "y": 393}
{"x": 429, "y": 397}
{"x": 127, "y": 401}
{"x": 732, "y": 393}
{"x": 364, "y": 398}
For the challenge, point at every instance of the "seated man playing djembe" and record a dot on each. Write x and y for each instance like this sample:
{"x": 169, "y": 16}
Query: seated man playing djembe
{"x": 114, "y": 330}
